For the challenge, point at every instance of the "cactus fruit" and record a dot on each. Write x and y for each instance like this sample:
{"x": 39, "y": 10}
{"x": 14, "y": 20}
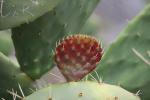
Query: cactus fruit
{"x": 16, "y": 12}
{"x": 35, "y": 41}
{"x": 127, "y": 61}
{"x": 82, "y": 91}
{"x": 77, "y": 55}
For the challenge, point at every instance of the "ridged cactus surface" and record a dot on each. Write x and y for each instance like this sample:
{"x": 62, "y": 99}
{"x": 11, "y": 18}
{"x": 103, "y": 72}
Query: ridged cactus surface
{"x": 127, "y": 61}
{"x": 82, "y": 91}
{"x": 35, "y": 41}
{"x": 16, "y": 12}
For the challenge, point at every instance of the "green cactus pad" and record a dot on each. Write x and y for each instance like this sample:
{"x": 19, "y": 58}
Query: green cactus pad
{"x": 16, "y": 12}
{"x": 10, "y": 76}
{"x": 35, "y": 41}
{"x": 127, "y": 61}
{"x": 82, "y": 91}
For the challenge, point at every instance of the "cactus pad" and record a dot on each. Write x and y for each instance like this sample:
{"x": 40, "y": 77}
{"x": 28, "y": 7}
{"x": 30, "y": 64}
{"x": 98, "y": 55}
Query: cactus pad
{"x": 77, "y": 55}
{"x": 82, "y": 91}
{"x": 16, "y": 12}
{"x": 127, "y": 61}
{"x": 10, "y": 76}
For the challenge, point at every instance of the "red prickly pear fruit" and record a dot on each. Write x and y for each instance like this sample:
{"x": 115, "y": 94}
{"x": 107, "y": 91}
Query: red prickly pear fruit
{"x": 77, "y": 55}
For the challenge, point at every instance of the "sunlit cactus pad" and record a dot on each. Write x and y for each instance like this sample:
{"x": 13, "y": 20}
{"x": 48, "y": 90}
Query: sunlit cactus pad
{"x": 82, "y": 91}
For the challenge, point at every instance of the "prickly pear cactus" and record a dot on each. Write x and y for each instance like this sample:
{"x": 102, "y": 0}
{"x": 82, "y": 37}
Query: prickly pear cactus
{"x": 127, "y": 61}
{"x": 35, "y": 41}
{"x": 82, "y": 91}
{"x": 36, "y": 26}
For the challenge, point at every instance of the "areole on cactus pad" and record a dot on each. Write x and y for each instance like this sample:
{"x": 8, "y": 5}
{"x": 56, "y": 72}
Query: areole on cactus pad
{"x": 77, "y": 55}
